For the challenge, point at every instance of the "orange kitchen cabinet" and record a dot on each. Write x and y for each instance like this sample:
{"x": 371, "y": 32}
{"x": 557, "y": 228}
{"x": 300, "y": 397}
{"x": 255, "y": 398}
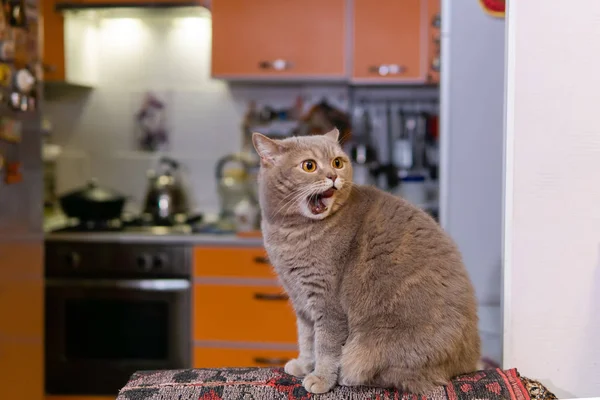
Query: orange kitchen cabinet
{"x": 390, "y": 41}
{"x": 28, "y": 295}
{"x": 274, "y": 39}
{"x": 242, "y": 313}
{"x": 136, "y": 2}
{"x": 21, "y": 369}
{"x": 52, "y": 43}
{"x": 251, "y": 262}
{"x": 209, "y": 357}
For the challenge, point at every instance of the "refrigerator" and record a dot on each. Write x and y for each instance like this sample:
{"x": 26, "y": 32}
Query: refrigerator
{"x": 21, "y": 205}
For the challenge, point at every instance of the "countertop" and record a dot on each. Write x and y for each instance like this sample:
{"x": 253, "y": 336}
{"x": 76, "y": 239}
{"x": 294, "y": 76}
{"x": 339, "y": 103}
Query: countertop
{"x": 193, "y": 239}
{"x": 55, "y": 221}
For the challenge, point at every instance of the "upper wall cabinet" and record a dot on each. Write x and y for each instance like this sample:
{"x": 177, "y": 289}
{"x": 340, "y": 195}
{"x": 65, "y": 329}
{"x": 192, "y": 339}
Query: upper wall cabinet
{"x": 53, "y": 47}
{"x": 390, "y": 41}
{"x": 135, "y": 3}
{"x": 275, "y": 39}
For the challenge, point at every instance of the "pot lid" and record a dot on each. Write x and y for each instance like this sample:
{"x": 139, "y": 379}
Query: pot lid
{"x": 93, "y": 192}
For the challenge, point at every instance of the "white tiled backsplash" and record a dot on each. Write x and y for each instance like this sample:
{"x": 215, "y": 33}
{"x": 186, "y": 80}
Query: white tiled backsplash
{"x": 162, "y": 52}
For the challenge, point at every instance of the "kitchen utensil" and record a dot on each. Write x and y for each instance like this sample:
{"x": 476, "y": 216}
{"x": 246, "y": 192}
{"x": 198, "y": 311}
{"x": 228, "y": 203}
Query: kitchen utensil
{"x": 362, "y": 151}
{"x": 412, "y": 188}
{"x": 165, "y": 196}
{"x": 93, "y": 203}
{"x": 246, "y": 216}
{"x": 402, "y": 144}
{"x": 234, "y": 184}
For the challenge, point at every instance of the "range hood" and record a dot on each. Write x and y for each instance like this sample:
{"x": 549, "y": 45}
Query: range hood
{"x": 78, "y": 5}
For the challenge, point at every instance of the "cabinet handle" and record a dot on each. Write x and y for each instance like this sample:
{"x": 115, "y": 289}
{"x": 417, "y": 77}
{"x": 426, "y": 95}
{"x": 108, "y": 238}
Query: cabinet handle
{"x": 277, "y": 65}
{"x": 261, "y": 260}
{"x": 387, "y": 69}
{"x": 271, "y": 296}
{"x": 270, "y": 361}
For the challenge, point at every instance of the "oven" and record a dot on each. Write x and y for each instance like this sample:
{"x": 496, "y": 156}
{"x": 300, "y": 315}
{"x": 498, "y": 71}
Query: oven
{"x": 112, "y": 310}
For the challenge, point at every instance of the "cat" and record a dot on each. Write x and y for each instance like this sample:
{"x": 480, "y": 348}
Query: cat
{"x": 380, "y": 292}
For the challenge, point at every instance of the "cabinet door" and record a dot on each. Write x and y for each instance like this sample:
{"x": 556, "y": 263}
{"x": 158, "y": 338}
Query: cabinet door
{"x": 136, "y": 2}
{"x": 242, "y": 313}
{"x": 232, "y": 262}
{"x": 21, "y": 369}
{"x": 275, "y": 39}
{"x": 53, "y": 41}
{"x": 390, "y": 41}
{"x": 208, "y": 357}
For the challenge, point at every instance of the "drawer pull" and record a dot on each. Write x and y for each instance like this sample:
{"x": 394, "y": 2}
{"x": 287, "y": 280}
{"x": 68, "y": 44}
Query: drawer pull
{"x": 271, "y": 296}
{"x": 277, "y": 65}
{"x": 387, "y": 69}
{"x": 261, "y": 260}
{"x": 270, "y": 361}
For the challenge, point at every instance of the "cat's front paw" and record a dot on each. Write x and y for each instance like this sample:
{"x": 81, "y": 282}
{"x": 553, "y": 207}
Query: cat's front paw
{"x": 319, "y": 384}
{"x": 299, "y": 368}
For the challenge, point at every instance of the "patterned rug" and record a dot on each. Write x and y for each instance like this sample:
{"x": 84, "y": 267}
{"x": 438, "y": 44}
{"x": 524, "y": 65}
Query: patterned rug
{"x": 266, "y": 384}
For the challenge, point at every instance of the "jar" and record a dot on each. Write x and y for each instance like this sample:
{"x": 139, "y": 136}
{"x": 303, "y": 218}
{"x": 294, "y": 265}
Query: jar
{"x": 412, "y": 188}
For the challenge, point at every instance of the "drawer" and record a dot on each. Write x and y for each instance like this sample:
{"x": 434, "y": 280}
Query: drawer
{"x": 245, "y": 262}
{"x": 209, "y": 357}
{"x": 21, "y": 370}
{"x": 243, "y": 313}
{"x": 23, "y": 300}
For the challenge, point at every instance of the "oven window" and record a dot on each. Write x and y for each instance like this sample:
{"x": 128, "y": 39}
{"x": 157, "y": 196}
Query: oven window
{"x": 116, "y": 329}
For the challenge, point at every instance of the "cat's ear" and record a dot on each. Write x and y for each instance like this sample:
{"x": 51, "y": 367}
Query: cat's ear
{"x": 267, "y": 149}
{"x": 333, "y": 134}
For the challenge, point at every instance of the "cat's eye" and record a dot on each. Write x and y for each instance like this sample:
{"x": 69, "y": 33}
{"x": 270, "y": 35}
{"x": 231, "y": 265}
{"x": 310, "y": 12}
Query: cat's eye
{"x": 309, "y": 165}
{"x": 337, "y": 163}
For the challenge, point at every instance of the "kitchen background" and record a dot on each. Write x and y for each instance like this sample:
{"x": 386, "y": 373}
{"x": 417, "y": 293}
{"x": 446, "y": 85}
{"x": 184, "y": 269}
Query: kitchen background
{"x": 146, "y": 105}
{"x": 126, "y": 54}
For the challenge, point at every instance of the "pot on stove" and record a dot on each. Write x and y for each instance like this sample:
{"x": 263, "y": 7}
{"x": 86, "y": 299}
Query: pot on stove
{"x": 93, "y": 203}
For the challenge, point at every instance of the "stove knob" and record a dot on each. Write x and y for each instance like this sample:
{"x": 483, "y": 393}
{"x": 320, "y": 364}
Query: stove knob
{"x": 73, "y": 260}
{"x": 160, "y": 261}
{"x": 144, "y": 262}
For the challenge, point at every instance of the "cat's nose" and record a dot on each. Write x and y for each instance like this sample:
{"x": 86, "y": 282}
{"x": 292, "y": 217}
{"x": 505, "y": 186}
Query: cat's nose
{"x": 333, "y": 177}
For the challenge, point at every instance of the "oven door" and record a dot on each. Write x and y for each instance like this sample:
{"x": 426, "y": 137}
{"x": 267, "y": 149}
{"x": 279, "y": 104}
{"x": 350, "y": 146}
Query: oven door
{"x": 98, "y": 332}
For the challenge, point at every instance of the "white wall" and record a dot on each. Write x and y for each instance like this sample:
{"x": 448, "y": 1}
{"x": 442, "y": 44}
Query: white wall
{"x": 472, "y": 96}
{"x": 552, "y": 237}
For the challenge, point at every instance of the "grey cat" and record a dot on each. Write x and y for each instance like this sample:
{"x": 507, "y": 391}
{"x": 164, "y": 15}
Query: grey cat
{"x": 380, "y": 291}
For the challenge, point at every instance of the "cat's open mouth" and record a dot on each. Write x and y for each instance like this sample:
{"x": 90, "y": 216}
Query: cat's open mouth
{"x": 315, "y": 201}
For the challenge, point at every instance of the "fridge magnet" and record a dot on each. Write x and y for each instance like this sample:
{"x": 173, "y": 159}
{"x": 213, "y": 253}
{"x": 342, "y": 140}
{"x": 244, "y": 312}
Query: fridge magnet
{"x": 7, "y": 50}
{"x": 11, "y": 130}
{"x": 13, "y": 173}
{"x": 495, "y": 8}
{"x": 151, "y": 124}
{"x": 5, "y": 75}
{"x": 15, "y": 11}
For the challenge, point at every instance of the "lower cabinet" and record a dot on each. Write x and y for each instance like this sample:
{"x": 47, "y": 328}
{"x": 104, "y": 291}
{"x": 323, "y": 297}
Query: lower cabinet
{"x": 241, "y": 315}
{"x": 212, "y": 357}
{"x": 21, "y": 369}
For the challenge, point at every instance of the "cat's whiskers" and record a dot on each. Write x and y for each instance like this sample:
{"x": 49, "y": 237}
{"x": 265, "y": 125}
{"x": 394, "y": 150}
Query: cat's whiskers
{"x": 309, "y": 192}
{"x": 304, "y": 192}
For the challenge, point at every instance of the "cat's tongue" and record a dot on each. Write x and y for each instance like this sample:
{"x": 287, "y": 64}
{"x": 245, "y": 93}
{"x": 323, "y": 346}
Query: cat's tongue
{"x": 316, "y": 202}
{"x": 328, "y": 193}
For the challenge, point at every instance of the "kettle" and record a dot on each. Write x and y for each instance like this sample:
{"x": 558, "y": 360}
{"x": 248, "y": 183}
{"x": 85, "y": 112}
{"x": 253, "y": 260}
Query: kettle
{"x": 165, "y": 196}
{"x": 235, "y": 185}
